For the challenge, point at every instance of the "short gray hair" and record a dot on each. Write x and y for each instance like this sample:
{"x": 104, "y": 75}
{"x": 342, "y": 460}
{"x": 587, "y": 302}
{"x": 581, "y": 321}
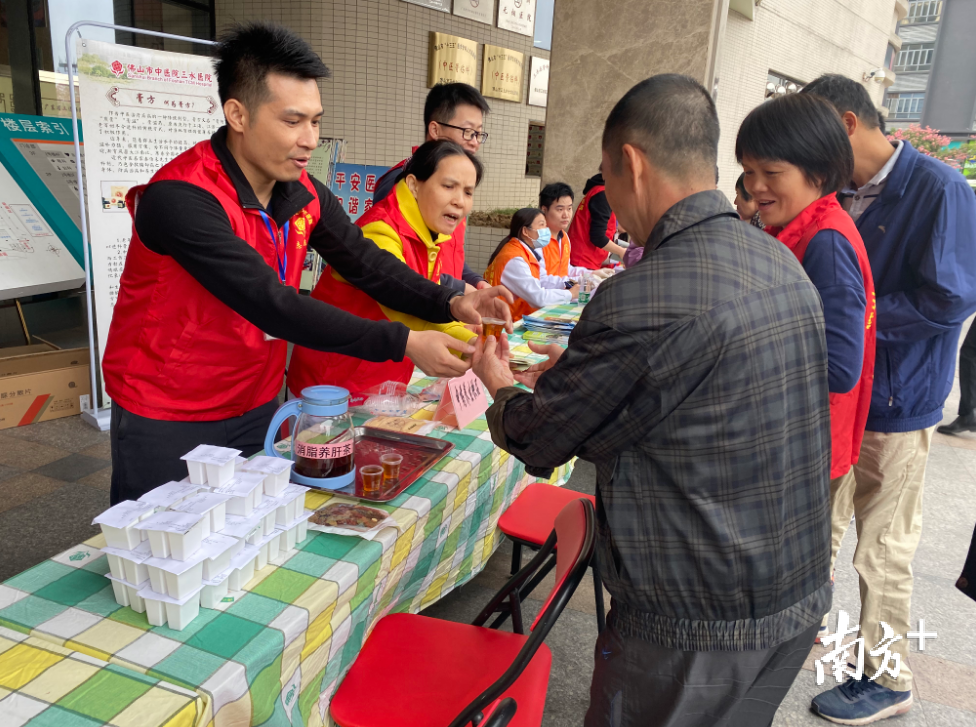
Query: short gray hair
{"x": 672, "y": 119}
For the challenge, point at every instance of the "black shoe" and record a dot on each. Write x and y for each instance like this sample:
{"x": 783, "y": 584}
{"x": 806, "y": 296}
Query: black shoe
{"x": 965, "y": 423}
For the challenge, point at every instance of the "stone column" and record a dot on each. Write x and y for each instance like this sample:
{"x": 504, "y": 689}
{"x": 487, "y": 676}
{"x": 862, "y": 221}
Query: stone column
{"x": 600, "y": 48}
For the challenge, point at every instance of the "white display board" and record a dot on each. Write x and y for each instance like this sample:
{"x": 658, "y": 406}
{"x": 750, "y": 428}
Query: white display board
{"x": 517, "y": 16}
{"x": 481, "y": 10}
{"x": 140, "y": 109}
{"x": 33, "y": 260}
{"x": 539, "y": 82}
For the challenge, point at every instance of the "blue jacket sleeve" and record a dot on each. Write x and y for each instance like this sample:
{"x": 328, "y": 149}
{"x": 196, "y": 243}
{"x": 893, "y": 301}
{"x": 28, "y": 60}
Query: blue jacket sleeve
{"x": 947, "y": 295}
{"x": 831, "y": 264}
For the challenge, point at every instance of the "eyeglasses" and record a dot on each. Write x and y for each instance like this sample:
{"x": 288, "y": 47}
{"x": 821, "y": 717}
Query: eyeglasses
{"x": 468, "y": 134}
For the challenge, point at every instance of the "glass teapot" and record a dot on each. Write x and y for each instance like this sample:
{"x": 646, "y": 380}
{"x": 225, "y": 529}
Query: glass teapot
{"x": 324, "y": 440}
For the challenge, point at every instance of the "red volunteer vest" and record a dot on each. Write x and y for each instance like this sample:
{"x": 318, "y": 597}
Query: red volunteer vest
{"x": 848, "y": 412}
{"x": 585, "y": 254}
{"x": 513, "y": 249}
{"x": 174, "y": 351}
{"x": 308, "y": 367}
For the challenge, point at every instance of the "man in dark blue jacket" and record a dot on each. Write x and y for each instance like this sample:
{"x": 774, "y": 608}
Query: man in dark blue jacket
{"x": 917, "y": 217}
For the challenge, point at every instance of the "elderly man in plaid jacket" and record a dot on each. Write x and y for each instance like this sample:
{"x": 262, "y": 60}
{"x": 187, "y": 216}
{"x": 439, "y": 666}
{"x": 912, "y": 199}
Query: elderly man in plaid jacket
{"x": 696, "y": 381}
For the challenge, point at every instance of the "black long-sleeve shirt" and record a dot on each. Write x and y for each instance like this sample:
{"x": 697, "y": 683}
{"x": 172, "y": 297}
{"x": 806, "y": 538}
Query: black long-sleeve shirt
{"x": 188, "y": 223}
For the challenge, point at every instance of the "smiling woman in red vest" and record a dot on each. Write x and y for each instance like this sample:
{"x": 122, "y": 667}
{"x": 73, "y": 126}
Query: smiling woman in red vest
{"x": 796, "y": 155}
{"x": 415, "y": 223}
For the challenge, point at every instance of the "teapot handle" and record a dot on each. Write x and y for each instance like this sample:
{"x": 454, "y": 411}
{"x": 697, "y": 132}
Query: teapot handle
{"x": 287, "y": 410}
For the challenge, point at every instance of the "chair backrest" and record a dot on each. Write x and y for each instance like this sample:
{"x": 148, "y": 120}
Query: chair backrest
{"x": 574, "y": 531}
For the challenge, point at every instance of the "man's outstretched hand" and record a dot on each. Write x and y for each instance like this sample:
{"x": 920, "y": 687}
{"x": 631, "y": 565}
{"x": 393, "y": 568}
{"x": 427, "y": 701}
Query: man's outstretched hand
{"x": 491, "y": 365}
{"x": 492, "y": 302}
{"x": 531, "y": 375}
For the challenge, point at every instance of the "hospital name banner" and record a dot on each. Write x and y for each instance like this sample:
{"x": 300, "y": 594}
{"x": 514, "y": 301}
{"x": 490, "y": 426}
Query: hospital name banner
{"x": 140, "y": 109}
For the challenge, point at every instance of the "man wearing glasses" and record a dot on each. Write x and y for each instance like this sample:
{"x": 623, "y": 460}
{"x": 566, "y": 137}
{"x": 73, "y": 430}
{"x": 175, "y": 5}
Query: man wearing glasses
{"x": 454, "y": 111}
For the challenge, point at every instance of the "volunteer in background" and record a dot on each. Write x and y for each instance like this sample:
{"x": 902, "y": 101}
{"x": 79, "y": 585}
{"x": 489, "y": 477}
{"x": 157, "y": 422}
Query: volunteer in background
{"x": 593, "y": 228}
{"x": 556, "y": 203}
{"x": 456, "y": 112}
{"x": 209, "y": 293}
{"x": 414, "y": 224}
{"x": 518, "y": 264}
{"x": 917, "y": 217}
{"x": 796, "y": 157}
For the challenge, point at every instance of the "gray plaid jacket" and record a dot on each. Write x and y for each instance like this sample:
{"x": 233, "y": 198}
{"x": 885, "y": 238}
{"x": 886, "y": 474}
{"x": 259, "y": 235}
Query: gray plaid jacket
{"x": 696, "y": 381}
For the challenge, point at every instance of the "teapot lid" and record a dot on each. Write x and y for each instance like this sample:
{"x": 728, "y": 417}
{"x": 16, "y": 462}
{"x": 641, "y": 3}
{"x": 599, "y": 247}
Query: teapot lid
{"x": 325, "y": 395}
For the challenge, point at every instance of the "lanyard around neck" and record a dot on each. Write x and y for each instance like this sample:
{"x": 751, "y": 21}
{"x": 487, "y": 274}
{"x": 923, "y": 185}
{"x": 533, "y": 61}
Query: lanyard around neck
{"x": 281, "y": 256}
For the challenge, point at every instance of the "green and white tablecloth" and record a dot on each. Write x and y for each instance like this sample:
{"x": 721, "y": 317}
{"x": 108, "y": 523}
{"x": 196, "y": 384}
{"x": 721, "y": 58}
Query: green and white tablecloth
{"x": 272, "y": 654}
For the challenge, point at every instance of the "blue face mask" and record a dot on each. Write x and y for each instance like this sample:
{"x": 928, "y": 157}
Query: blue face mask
{"x": 545, "y": 236}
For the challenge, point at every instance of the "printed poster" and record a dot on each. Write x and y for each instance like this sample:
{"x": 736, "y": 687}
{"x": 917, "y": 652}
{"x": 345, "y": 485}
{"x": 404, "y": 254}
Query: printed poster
{"x": 354, "y": 185}
{"x": 140, "y": 108}
{"x": 480, "y": 10}
{"x": 539, "y": 82}
{"x": 501, "y": 76}
{"x": 517, "y": 16}
{"x": 452, "y": 59}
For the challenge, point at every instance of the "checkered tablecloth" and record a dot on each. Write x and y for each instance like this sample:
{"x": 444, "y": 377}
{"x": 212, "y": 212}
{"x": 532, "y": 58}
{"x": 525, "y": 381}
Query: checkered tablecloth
{"x": 272, "y": 654}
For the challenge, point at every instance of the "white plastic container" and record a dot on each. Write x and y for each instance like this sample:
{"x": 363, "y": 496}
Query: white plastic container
{"x": 290, "y": 503}
{"x": 276, "y": 471}
{"x": 127, "y": 595}
{"x": 175, "y": 578}
{"x": 242, "y": 568}
{"x": 267, "y": 513}
{"x": 173, "y": 534}
{"x": 246, "y": 493}
{"x": 168, "y": 496}
{"x": 164, "y": 610}
{"x": 129, "y": 565}
{"x": 210, "y": 465}
{"x": 220, "y": 549}
{"x": 274, "y": 545}
{"x": 212, "y": 593}
{"x": 239, "y": 463}
{"x": 212, "y": 505}
{"x": 245, "y": 528}
{"x": 118, "y": 523}
{"x": 296, "y": 532}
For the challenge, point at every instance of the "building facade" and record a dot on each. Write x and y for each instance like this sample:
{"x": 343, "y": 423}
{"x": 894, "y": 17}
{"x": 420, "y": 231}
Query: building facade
{"x": 919, "y": 31}
{"x": 787, "y": 43}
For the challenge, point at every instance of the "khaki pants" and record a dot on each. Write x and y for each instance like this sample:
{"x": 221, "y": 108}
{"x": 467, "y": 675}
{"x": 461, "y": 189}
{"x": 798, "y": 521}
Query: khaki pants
{"x": 884, "y": 492}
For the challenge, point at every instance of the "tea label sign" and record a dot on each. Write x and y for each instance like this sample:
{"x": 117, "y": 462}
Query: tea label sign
{"x": 464, "y": 401}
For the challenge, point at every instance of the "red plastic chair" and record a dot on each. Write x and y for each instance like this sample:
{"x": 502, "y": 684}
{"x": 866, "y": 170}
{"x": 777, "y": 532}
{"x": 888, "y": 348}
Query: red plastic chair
{"x": 415, "y": 671}
{"x": 527, "y": 523}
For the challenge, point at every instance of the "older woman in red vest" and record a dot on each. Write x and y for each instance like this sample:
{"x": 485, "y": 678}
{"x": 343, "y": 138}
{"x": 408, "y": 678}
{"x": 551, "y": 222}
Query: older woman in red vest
{"x": 796, "y": 156}
{"x": 417, "y": 224}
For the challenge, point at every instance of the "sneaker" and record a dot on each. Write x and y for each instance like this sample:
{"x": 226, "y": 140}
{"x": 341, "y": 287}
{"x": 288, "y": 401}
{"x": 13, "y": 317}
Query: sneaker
{"x": 857, "y": 702}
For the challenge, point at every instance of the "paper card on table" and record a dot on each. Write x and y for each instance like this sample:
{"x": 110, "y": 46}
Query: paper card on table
{"x": 238, "y": 526}
{"x": 267, "y": 465}
{"x": 171, "y": 492}
{"x": 139, "y": 554}
{"x": 123, "y": 514}
{"x": 170, "y": 521}
{"x": 203, "y": 502}
{"x": 209, "y": 454}
{"x": 465, "y": 395}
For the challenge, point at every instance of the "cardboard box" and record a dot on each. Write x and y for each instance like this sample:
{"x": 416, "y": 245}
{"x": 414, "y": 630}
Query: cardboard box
{"x": 41, "y": 382}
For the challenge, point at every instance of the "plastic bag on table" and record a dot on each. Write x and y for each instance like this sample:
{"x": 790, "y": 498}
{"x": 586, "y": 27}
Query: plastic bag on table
{"x": 390, "y": 398}
{"x": 435, "y": 391}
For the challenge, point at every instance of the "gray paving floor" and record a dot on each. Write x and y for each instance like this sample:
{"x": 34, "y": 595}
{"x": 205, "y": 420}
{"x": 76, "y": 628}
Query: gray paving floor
{"x": 54, "y": 479}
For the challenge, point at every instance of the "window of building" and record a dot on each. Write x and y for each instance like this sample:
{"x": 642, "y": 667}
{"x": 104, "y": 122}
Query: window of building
{"x": 905, "y": 106}
{"x": 536, "y": 145}
{"x": 915, "y": 57}
{"x": 780, "y": 85}
{"x": 33, "y": 64}
{"x": 543, "y": 24}
{"x": 923, "y": 11}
